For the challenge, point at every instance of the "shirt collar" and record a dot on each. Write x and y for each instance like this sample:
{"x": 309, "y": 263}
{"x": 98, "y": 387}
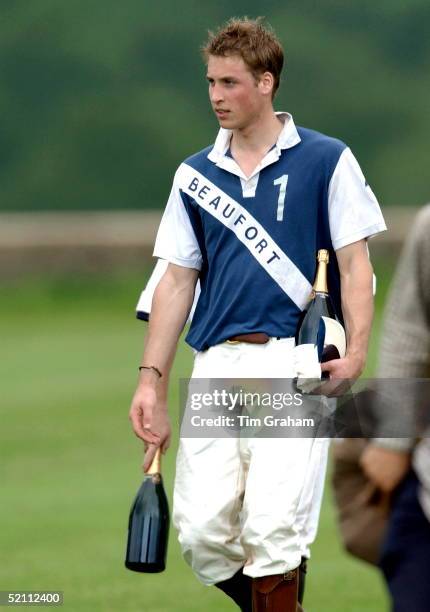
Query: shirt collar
{"x": 288, "y": 138}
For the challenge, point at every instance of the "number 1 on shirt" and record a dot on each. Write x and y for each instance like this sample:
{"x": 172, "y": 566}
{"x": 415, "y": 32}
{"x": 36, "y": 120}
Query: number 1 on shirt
{"x": 282, "y": 182}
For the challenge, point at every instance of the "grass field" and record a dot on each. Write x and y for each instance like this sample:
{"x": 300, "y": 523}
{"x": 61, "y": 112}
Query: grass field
{"x": 70, "y": 465}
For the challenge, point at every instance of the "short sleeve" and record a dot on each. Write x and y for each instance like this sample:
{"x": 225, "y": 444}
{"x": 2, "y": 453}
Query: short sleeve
{"x": 176, "y": 241}
{"x": 144, "y": 304}
{"x": 354, "y": 212}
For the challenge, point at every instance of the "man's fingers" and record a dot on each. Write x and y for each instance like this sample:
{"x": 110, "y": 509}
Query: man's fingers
{"x": 143, "y": 432}
{"x": 147, "y": 417}
{"x": 165, "y": 444}
{"x": 327, "y": 366}
{"x": 148, "y": 437}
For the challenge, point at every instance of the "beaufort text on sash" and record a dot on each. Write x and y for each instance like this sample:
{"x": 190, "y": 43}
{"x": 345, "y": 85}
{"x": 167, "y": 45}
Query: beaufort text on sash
{"x": 249, "y": 231}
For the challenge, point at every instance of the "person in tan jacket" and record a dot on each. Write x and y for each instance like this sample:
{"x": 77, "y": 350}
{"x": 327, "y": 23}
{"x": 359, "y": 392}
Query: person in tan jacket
{"x": 401, "y": 465}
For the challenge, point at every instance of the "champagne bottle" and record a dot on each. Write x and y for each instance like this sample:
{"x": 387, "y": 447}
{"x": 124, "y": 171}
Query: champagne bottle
{"x": 319, "y": 325}
{"x": 148, "y": 526}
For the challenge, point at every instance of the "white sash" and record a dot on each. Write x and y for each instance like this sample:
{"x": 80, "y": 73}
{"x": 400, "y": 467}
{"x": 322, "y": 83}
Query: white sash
{"x": 249, "y": 231}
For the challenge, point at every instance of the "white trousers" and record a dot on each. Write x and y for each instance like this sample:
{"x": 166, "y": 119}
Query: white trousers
{"x": 251, "y": 502}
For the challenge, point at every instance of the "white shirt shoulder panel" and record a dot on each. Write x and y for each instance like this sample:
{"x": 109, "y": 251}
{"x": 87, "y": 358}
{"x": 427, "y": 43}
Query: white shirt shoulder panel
{"x": 353, "y": 209}
{"x": 176, "y": 241}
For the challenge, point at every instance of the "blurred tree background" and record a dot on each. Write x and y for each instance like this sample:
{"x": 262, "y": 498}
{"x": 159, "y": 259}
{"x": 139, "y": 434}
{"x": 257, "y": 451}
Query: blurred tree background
{"x": 100, "y": 101}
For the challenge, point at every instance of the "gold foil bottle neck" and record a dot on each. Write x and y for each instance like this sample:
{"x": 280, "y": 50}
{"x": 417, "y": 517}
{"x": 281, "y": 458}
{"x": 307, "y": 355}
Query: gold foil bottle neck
{"x": 323, "y": 256}
{"x": 155, "y": 467}
{"x": 320, "y": 283}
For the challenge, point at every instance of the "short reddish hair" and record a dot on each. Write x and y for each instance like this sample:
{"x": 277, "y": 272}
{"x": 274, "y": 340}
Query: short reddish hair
{"x": 256, "y": 44}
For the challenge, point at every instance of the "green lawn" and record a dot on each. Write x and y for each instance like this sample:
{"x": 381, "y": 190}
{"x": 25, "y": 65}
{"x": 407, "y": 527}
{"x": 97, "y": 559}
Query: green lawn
{"x": 70, "y": 465}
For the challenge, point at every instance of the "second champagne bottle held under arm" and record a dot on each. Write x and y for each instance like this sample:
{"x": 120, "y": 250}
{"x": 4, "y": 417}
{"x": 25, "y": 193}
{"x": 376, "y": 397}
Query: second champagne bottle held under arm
{"x": 313, "y": 327}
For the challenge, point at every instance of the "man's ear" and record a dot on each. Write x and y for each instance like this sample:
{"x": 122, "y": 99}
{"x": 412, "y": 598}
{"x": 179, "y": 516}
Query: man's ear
{"x": 266, "y": 83}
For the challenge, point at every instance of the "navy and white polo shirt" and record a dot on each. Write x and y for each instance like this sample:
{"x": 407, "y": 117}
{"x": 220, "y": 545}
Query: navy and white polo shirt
{"x": 254, "y": 239}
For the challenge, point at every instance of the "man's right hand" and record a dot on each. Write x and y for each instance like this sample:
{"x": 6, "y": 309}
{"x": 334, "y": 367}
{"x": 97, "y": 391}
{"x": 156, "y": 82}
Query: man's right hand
{"x": 150, "y": 421}
{"x": 161, "y": 426}
{"x": 142, "y": 407}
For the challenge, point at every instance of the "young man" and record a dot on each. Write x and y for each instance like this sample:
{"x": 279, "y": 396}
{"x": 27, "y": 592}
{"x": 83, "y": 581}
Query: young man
{"x": 246, "y": 216}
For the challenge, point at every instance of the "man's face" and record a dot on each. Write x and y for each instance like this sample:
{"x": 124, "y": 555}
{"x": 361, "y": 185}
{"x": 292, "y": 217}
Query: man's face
{"x": 236, "y": 98}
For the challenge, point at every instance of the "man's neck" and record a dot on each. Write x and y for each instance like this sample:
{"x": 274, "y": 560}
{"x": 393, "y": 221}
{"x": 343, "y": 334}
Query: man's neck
{"x": 249, "y": 145}
{"x": 258, "y": 137}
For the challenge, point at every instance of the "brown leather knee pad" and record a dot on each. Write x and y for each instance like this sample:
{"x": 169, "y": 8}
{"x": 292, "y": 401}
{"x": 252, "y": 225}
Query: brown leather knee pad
{"x": 276, "y": 593}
